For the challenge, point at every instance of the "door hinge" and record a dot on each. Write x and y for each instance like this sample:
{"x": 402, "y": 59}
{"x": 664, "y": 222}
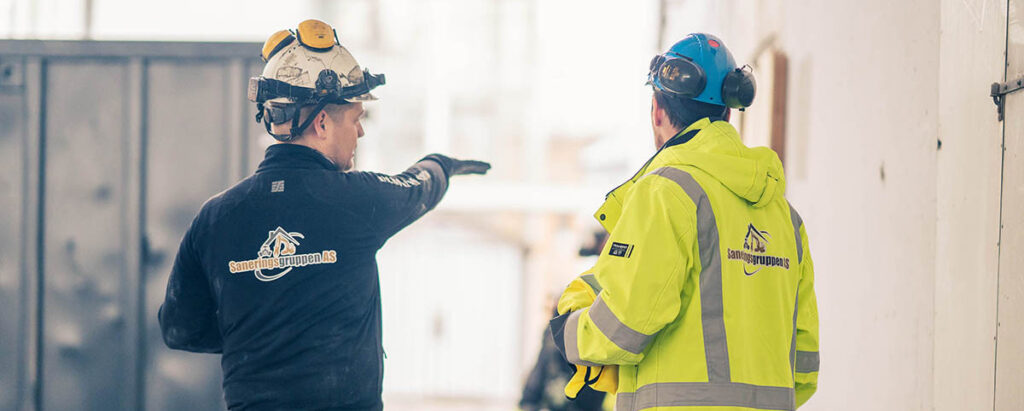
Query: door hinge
{"x": 1000, "y": 90}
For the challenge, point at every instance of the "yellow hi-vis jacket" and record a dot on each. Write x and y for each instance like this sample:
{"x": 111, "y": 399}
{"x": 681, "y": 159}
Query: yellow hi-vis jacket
{"x": 705, "y": 287}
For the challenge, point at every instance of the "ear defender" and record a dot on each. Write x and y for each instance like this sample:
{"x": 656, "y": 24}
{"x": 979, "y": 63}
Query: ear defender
{"x": 738, "y": 88}
{"x": 275, "y": 43}
{"x": 316, "y": 35}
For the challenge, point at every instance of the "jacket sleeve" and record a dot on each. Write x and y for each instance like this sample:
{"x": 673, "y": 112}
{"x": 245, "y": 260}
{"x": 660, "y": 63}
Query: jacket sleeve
{"x": 639, "y": 275}
{"x": 188, "y": 316}
{"x": 806, "y": 367}
{"x": 401, "y": 199}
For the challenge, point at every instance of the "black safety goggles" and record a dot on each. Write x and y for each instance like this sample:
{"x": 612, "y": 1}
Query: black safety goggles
{"x": 677, "y": 75}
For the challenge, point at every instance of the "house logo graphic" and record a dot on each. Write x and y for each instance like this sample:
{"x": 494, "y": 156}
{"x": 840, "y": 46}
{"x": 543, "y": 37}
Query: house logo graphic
{"x": 756, "y": 240}
{"x": 277, "y": 257}
{"x": 754, "y": 253}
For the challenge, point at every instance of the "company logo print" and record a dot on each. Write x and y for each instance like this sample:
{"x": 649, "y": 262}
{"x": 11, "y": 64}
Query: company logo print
{"x": 277, "y": 186}
{"x": 277, "y": 257}
{"x": 754, "y": 253}
{"x": 621, "y": 250}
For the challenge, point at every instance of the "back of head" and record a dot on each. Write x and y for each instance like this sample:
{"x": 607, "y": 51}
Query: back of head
{"x": 697, "y": 77}
{"x": 682, "y": 111}
{"x": 307, "y": 70}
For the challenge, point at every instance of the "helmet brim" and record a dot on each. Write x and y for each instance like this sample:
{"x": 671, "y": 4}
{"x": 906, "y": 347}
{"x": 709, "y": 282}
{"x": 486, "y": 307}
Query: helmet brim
{"x": 362, "y": 97}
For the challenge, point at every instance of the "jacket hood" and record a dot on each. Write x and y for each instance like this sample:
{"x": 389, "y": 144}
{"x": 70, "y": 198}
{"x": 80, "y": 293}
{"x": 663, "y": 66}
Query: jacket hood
{"x": 755, "y": 174}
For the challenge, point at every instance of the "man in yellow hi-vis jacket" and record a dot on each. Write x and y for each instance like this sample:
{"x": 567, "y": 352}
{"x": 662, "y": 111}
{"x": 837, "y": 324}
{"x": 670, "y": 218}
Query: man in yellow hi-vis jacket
{"x": 703, "y": 297}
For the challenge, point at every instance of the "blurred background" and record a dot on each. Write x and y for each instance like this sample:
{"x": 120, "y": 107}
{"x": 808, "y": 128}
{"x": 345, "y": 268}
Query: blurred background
{"x": 118, "y": 118}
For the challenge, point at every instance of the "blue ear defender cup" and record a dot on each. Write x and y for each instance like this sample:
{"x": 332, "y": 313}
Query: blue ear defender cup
{"x": 701, "y": 68}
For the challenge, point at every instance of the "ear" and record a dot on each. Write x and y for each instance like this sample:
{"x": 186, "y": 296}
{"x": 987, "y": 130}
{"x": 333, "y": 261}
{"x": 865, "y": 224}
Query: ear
{"x": 657, "y": 113}
{"x": 320, "y": 124}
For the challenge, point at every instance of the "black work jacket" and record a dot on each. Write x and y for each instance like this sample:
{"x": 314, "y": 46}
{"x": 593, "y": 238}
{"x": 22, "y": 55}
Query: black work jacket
{"x": 279, "y": 274}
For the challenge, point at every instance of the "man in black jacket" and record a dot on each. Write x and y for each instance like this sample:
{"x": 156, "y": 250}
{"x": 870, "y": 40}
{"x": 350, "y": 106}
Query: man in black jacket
{"x": 279, "y": 272}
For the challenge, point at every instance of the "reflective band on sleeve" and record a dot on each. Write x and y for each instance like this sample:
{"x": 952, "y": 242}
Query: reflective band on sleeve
{"x": 572, "y": 351}
{"x": 797, "y": 222}
{"x": 592, "y": 282}
{"x": 626, "y": 338}
{"x": 806, "y": 361}
{"x": 709, "y": 394}
{"x": 716, "y": 350}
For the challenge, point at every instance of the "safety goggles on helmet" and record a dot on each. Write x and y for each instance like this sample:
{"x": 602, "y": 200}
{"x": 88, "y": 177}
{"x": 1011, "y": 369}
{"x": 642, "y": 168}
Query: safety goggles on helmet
{"x": 677, "y": 75}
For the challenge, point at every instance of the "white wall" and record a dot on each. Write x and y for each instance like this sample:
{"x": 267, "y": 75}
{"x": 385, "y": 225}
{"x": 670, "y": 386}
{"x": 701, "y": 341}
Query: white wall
{"x": 1010, "y": 326}
{"x": 967, "y": 185}
{"x": 864, "y": 118}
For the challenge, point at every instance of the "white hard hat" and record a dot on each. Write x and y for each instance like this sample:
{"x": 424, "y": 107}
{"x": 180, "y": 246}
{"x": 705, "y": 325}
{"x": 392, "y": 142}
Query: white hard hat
{"x": 307, "y": 67}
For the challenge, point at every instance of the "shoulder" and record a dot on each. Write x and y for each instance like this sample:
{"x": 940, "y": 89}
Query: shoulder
{"x": 678, "y": 183}
{"x": 222, "y": 203}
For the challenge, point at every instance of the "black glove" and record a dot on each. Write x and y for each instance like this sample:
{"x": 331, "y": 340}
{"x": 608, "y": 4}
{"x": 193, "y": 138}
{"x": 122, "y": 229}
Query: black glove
{"x": 454, "y": 167}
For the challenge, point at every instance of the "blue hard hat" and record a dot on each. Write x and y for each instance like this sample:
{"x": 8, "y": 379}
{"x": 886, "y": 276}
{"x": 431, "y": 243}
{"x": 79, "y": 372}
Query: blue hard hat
{"x": 701, "y": 68}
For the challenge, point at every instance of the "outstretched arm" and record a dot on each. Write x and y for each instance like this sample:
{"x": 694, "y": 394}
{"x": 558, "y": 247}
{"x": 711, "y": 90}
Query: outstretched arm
{"x": 401, "y": 199}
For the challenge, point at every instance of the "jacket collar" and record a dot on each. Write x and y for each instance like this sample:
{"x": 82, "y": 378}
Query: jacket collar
{"x": 608, "y": 214}
{"x": 294, "y": 156}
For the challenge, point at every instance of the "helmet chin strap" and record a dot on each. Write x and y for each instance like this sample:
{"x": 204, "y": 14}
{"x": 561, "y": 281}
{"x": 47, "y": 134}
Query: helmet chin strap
{"x": 296, "y": 129}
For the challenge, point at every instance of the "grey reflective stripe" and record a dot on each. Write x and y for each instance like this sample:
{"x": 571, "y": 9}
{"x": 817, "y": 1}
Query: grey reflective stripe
{"x": 792, "y": 344}
{"x": 710, "y": 394}
{"x": 794, "y": 358}
{"x": 806, "y": 361}
{"x": 797, "y": 222}
{"x": 592, "y": 282}
{"x": 716, "y": 350}
{"x": 572, "y": 351}
{"x": 626, "y": 338}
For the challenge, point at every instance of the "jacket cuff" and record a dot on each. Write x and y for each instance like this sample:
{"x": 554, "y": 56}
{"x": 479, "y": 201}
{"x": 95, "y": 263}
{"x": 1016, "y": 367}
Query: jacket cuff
{"x": 447, "y": 163}
{"x": 563, "y": 330}
{"x": 557, "y": 325}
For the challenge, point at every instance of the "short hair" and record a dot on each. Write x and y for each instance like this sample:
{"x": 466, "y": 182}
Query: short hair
{"x": 683, "y": 111}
